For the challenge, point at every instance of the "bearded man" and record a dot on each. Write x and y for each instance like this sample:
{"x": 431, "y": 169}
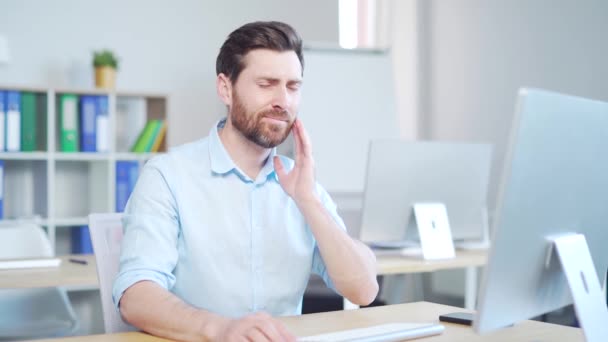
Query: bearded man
{"x": 222, "y": 234}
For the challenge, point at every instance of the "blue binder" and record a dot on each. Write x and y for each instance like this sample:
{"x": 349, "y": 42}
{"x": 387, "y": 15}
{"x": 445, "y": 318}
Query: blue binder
{"x": 1, "y": 189}
{"x": 127, "y": 172}
{"x": 2, "y": 120}
{"x": 81, "y": 240}
{"x": 88, "y": 112}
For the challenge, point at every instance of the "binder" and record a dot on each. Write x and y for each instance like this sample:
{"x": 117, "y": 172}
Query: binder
{"x": 28, "y": 122}
{"x": 41, "y": 122}
{"x": 68, "y": 125}
{"x": 102, "y": 124}
{"x": 81, "y": 240}
{"x": 88, "y": 112}
{"x": 127, "y": 172}
{"x": 13, "y": 121}
{"x": 2, "y": 120}
{"x": 1, "y": 189}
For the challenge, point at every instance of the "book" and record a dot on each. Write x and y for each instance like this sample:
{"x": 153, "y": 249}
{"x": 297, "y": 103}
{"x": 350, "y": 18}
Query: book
{"x": 29, "y": 113}
{"x": 13, "y": 121}
{"x": 102, "y": 124}
{"x": 159, "y": 137}
{"x": 81, "y": 240}
{"x": 127, "y": 172}
{"x": 157, "y": 127}
{"x": 88, "y": 123}
{"x": 2, "y": 120}
{"x": 68, "y": 122}
{"x": 144, "y": 142}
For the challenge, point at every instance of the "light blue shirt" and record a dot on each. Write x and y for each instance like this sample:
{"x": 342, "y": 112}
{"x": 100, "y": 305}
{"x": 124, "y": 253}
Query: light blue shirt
{"x": 199, "y": 227}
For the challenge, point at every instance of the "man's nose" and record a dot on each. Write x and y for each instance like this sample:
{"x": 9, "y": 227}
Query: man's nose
{"x": 281, "y": 99}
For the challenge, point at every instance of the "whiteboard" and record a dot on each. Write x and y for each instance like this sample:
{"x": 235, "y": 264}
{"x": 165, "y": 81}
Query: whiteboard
{"x": 348, "y": 99}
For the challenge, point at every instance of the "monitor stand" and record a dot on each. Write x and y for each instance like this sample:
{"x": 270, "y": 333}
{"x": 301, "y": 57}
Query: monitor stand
{"x": 587, "y": 294}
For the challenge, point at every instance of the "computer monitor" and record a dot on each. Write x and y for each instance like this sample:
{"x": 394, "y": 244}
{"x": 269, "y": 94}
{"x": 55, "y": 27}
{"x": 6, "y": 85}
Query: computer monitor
{"x": 554, "y": 184}
{"x": 401, "y": 173}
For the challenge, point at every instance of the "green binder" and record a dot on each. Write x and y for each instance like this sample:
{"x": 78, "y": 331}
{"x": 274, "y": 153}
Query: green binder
{"x": 28, "y": 122}
{"x": 68, "y": 122}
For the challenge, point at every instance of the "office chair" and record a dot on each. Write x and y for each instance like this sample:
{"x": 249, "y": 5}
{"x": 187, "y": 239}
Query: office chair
{"x": 106, "y": 236}
{"x": 37, "y": 312}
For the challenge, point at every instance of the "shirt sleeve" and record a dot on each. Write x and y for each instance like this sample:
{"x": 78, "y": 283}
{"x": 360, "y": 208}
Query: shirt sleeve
{"x": 318, "y": 264}
{"x": 151, "y": 228}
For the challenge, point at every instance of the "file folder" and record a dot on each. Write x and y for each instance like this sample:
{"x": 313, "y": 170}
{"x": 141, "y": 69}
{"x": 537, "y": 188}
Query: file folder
{"x": 2, "y": 120}
{"x": 13, "y": 121}
{"x": 88, "y": 112}
{"x": 1, "y": 189}
{"x": 102, "y": 124}
{"x": 68, "y": 125}
{"x": 28, "y": 122}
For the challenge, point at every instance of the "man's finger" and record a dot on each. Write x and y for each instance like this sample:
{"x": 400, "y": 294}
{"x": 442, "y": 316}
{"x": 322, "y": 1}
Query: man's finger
{"x": 279, "y": 168}
{"x": 269, "y": 330}
{"x": 254, "y": 334}
{"x": 306, "y": 146}
{"x": 296, "y": 139}
{"x": 285, "y": 334}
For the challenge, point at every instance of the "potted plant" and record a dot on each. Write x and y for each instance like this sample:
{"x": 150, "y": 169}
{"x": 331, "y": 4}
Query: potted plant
{"x": 106, "y": 64}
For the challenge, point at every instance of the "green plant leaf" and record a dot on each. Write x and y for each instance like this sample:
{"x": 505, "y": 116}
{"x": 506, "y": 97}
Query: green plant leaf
{"x": 104, "y": 58}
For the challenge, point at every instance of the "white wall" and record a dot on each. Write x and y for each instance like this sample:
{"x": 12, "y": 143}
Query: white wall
{"x": 481, "y": 51}
{"x": 473, "y": 55}
{"x": 167, "y": 46}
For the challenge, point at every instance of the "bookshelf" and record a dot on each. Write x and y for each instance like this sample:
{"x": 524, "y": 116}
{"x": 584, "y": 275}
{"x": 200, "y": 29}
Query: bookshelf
{"x": 58, "y": 189}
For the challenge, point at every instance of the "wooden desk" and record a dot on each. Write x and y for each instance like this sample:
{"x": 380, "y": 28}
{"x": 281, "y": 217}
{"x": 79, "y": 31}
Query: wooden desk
{"x": 70, "y": 275}
{"x": 391, "y": 263}
{"x": 84, "y": 277}
{"x": 397, "y": 264}
{"x": 319, "y": 323}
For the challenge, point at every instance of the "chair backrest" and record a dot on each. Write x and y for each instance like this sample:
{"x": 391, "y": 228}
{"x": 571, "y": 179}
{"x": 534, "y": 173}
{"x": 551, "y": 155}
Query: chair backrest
{"x": 37, "y": 312}
{"x": 106, "y": 236}
{"x": 24, "y": 240}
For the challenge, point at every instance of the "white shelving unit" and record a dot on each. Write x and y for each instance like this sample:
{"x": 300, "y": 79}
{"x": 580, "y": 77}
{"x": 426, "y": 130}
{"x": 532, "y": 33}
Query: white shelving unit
{"x": 59, "y": 189}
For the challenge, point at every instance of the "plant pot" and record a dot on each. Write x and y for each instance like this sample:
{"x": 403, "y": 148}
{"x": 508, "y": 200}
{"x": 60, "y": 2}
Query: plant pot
{"x": 105, "y": 77}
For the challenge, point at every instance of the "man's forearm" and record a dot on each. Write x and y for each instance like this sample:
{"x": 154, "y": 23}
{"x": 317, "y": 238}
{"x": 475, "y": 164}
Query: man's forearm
{"x": 351, "y": 264}
{"x": 151, "y": 308}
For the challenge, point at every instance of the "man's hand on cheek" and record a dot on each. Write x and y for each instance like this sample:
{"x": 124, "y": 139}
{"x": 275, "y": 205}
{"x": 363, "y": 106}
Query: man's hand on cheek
{"x": 299, "y": 183}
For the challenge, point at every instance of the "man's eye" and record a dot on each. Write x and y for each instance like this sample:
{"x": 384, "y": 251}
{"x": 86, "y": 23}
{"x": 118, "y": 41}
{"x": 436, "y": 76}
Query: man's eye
{"x": 264, "y": 85}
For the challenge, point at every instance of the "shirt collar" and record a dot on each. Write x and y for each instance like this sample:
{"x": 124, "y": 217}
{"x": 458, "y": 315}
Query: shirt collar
{"x": 221, "y": 163}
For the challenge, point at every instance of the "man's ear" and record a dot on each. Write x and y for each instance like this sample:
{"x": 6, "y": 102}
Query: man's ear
{"x": 224, "y": 89}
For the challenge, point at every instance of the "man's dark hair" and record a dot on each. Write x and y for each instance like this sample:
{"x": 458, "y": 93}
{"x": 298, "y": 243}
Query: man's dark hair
{"x": 271, "y": 35}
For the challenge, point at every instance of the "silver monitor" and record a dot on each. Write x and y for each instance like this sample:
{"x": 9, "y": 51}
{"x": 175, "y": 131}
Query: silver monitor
{"x": 402, "y": 173}
{"x": 554, "y": 185}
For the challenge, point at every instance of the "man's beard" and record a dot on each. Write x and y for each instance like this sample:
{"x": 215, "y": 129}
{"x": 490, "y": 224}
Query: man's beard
{"x": 264, "y": 134}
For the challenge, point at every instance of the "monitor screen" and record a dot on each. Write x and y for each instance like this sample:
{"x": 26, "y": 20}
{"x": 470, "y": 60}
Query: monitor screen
{"x": 402, "y": 173}
{"x": 555, "y": 182}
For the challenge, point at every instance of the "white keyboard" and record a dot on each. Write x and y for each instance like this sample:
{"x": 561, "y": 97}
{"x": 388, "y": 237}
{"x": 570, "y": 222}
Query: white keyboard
{"x": 29, "y": 263}
{"x": 382, "y": 332}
